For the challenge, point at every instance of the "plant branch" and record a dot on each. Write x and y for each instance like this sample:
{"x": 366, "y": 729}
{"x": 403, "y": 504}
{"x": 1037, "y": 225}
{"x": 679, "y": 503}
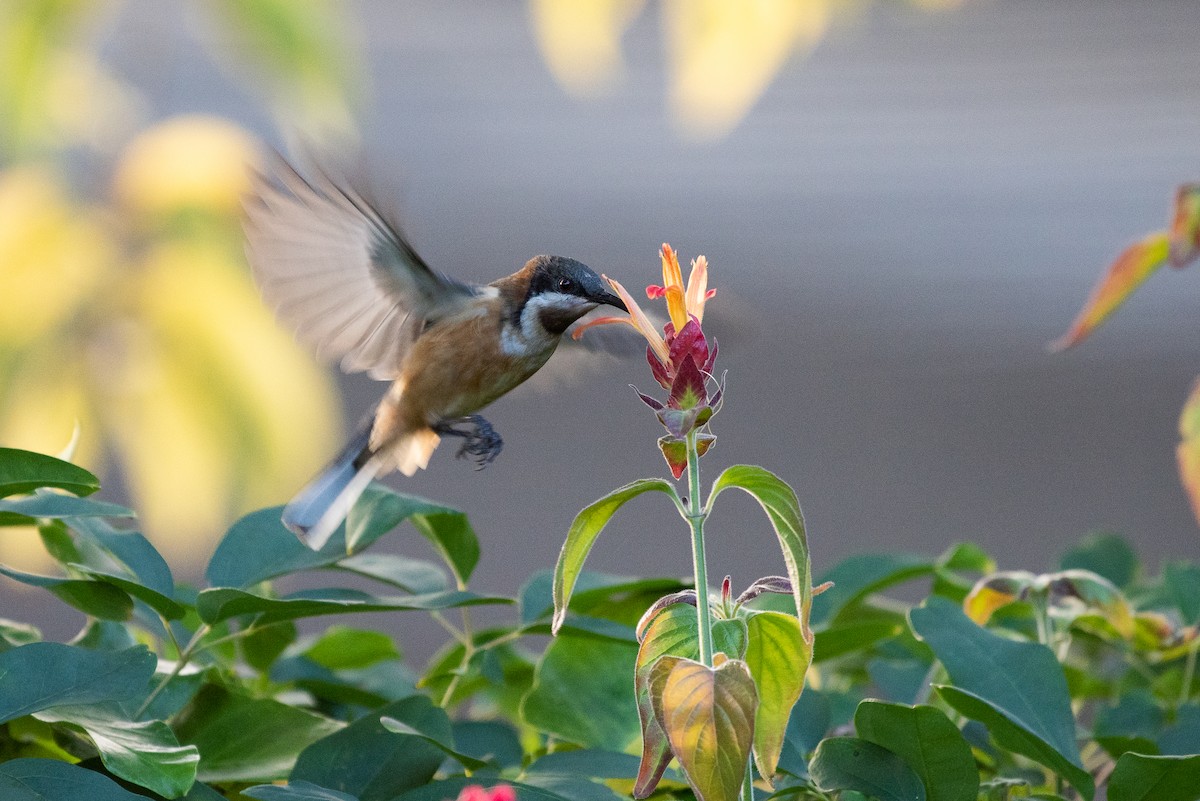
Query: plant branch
{"x": 695, "y": 518}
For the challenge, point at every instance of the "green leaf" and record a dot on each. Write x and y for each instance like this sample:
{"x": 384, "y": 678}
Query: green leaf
{"x": 493, "y": 741}
{"x": 581, "y": 692}
{"x": 779, "y": 501}
{"x": 130, "y": 550}
{"x": 927, "y": 741}
{"x": 859, "y": 576}
{"x": 1155, "y": 778}
{"x": 145, "y": 753}
{"x": 1108, "y": 555}
{"x": 258, "y": 547}
{"x": 46, "y": 674}
{"x": 245, "y": 739}
{"x": 51, "y": 505}
{"x": 583, "y": 532}
{"x": 374, "y": 764}
{"x": 52, "y": 780}
{"x": 96, "y": 598}
{"x": 1181, "y": 580}
{"x": 590, "y": 762}
{"x": 341, "y": 648}
{"x": 221, "y": 604}
{"x": 446, "y": 747}
{"x": 295, "y": 791}
{"x": 411, "y": 575}
{"x": 1017, "y": 689}
{"x": 1131, "y": 725}
{"x": 847, "y": 763}
{"x": 672, "y": 632}
{"x": 778, "y": 659}
{"x": 380, "y": 510}
{"x": 262, "y": 645}
{"x": 806, "y": 728}
{"x": 708, "y": 715}
{"x": 21, "y": 472}
{"x": 168, "y": 607}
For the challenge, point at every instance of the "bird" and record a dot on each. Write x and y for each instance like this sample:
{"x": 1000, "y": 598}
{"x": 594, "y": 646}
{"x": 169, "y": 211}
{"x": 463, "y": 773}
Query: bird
{"x": 342, "y": 275}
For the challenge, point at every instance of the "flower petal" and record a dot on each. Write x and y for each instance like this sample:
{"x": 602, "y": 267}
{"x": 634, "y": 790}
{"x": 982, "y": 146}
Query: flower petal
{"x": 673, "y": 284}
{"x": 697, "y": 288}
{"x": 579, "y": 329}
{"x": 689, "y": 342}
{"x": 641, "y": 322}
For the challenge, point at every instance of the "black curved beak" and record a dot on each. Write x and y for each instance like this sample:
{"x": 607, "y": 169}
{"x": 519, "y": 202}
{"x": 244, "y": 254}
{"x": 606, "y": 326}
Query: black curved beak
{"x": 608, "y": 298}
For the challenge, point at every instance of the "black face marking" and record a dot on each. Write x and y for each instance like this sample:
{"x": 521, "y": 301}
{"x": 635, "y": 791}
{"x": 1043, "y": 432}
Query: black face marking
{"x": 565, "y": 276}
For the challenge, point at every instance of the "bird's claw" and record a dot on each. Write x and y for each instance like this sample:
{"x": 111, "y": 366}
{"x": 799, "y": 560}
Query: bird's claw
{"x": 480, "y": 440}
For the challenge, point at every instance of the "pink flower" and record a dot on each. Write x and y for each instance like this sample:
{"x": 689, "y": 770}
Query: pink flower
{"x": 475, "y": 792}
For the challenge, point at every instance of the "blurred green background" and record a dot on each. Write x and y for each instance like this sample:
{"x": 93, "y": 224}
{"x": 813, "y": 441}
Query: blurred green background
{"x": 902, "y": 202}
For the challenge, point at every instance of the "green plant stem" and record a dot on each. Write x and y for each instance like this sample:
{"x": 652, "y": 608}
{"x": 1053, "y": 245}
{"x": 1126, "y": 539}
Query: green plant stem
{"x": 748, "y": 783}
{"x": 180, "y": 663}
{"x": 695, "y": 517}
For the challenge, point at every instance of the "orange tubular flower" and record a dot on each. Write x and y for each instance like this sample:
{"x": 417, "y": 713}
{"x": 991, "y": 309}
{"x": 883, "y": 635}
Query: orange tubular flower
{"x": 681, "y": 361}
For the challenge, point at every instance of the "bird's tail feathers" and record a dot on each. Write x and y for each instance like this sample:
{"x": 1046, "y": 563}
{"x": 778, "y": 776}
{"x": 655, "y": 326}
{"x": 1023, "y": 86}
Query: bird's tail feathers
{"x": 317, "y": 510}
{"x": 413, "y": 450}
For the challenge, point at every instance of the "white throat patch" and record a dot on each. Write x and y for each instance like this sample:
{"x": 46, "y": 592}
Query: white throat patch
{"x": 531, "y": 338}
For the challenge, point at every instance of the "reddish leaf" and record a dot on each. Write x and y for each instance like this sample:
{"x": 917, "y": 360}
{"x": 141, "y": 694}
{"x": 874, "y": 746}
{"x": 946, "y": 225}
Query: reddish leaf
{"x": 662, "y": 373}
{"x": 674, "y": 450}
{"x": 1185, "y": 226}
{"x": 1126, "y": 274}
{"x": 687, "y": 390}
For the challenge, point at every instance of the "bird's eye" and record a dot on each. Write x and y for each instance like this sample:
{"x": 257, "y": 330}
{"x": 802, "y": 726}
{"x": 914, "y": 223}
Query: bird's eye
{"x": 566, "y": 285}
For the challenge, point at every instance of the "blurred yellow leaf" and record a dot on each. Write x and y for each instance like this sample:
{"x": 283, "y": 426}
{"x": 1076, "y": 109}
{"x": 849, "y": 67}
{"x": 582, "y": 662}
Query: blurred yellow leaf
{"x": 723, "y": 55}
{"x": 1126, "y": 274}
{"x": 1187, "y": 453}
{"x": 581, "y": 40}
{"x": 154, "y": 340}
{"x": 191, "y": 161}
{"x": 52, "y": 256}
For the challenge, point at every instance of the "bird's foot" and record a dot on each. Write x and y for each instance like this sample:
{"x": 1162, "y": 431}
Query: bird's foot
{"x": 480, "y": 440}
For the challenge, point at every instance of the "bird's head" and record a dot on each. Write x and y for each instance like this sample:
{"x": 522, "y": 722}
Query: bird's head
{"x": 562, "y": 290}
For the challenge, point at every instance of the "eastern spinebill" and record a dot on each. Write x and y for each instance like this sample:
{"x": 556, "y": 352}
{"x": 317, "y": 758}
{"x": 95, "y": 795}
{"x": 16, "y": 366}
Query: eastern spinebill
{"x": 342, "y": 275}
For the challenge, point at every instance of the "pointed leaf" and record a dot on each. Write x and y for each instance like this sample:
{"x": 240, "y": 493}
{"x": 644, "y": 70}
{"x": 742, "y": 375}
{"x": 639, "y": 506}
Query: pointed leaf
{"x": 168, "y": 607}
{"x": 446, "y": 747}
{"x": 778, "y": 658}
{"x": 96, "y": 598}
{"x": 21, "y": 472}
{"x": 52, "y": 780}
{"x": 49, "y": 505}
{"x": 380, "y": 510}
{"x": 217, "y": 605}
{"x": 342, "y": 648}
{"x": 372, "y": 763}
{"x": 708, "y": 715}
{"x": 144, "y": 752}
{"x": 46, "y": 674}
{"x": 847, "y": 763}
{"x": 674, "y": 451}
{"x": 582, "y": 535}
{"x": 779, "y": 501}
{"x": 927, "y": 741}
{"x": 687, "y": 388}
{"x": 411, "y": 575}
{"x": 246, "y": 739}
{"x": 1135, "y": 264}
{"x": 1017, "y": 689}
{"x": 1155, "y": 778}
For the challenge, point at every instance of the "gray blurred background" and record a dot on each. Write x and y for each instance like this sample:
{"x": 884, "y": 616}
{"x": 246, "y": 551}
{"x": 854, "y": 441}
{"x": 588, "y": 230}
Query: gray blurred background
{"x": 916, "y": 203}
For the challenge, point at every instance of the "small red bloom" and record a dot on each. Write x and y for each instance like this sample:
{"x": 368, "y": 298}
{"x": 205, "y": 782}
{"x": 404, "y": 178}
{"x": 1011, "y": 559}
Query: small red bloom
{"x": 475, "y": 792}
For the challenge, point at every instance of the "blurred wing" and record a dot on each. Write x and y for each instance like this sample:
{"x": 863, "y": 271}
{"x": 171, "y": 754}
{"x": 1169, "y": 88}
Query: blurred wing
{"x": 340, "y": 274}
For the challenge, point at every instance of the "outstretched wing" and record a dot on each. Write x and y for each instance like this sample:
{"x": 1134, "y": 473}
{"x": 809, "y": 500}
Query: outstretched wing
{"x": 341, "y": 274}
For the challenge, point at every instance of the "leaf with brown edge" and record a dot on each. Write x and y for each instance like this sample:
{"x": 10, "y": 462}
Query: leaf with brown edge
{"x": 1126, "y": 274}
{"x": 708, "y": 716}
{"x": 1185, "y": 226}
{"x": 995, "y": 591}
{"x": 672, "y": 631}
